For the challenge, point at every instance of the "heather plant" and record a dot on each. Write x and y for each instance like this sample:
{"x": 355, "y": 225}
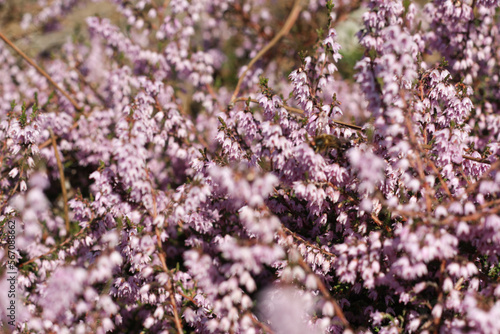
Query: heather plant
{"x": 220, "y": 167}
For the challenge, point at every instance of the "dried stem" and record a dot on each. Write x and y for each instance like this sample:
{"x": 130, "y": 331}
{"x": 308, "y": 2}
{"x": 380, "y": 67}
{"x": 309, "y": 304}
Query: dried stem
{"x": 379, "y": 223}
{"x": 260, "y": 324}
{"x": 300, "y": 111}
{"x": 49, "y": 141}
{"x": 438, "y": 173}
{"x": 307, "y": 243}
{"x": 75, "y": 124}
{"x": 482, "y": 161}
{"x": 256, "y": 321}
{"x": 461, "y": 170}
{"x": 324, "y": 291}
{"x": 61, "y": 177}
{"x": 40, "y": 70}
{"x": 420, "y": 168}
{"x": 170, "y": 286}
{"x": 322, "y": 288}
{"x": 356, "y": 127}
{"x": 294, "y": 14}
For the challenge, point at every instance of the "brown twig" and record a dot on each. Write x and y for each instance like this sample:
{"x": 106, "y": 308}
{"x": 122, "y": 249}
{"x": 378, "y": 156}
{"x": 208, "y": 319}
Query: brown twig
{"x": 420, "y": 168}
{"x": 482, "y": 161}
{"x": 260, "y": 324}
{"x": 300, "y": 111}
{"x": 61, "y": 177}
{"x": 191, "y": 299}
{"x": 461, "y": 170}
{"x": 75, "y": 124}
{"x": 379, "y": 223}
{"x": 49, "y": 141}
{"x": 40, "y": 70}
{"x": 324, "y": 291}
{"x": 163, "y": 261}
{"x": 165, "y": 4}
{"x": 170, "y": 286}
{"x": 294, "y": 14}
{"x": 357, "y": 127}
{"x": 256, "y": 321}
{"x": 474, "y": 216}
{"x": 438, "y": 173}
{"x": 307, "y": 243}
{"x": 322, "y": 288}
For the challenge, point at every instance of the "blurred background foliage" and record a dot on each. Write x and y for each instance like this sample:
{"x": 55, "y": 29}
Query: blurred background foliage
{"x": 46, "y": 40}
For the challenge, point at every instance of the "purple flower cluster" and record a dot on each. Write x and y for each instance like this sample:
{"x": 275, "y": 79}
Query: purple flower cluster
{"x": 151, "y": 193}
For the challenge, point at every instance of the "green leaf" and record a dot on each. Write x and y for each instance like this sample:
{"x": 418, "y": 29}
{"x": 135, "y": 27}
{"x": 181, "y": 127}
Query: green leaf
{"x": 330, "y": 5}
{"x": 222, "y": 122}
{"x": 48, "y": 100}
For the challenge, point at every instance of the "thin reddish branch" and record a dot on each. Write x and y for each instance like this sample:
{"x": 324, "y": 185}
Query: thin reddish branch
{"x": 322, "y": 288}
{"x": 379, "y": 223}
{"x": 61, "y": 178}
{"x": 300, "y": 112}
{"x": 482, "y": 161}
{"x": 294, "y": 14}
{"x": 420, "y": 168}
{"x": 163, "y": 261}
{"x": 307, "y": 243}
{"x": 438, "y": 173}
{"x": 41, "y": 71}
{"x": 170, "y": 286}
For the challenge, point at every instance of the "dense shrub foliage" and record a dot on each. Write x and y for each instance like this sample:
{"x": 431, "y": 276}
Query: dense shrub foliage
{"x": 225, "y": 166}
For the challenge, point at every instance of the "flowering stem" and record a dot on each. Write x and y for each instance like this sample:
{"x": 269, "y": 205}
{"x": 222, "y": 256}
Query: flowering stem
{"x": 322, "y": 288}
{"x": 294, "y": 14}
{"x": 495, "y": 166}
{"x": 299, "y": 238}
{"x": 300, "y": 111}
{"x": 92, "y": 88}
{"x": 54, "y": 248}
{"x": 170, "y": 286}
{"x": 420, "y": 168}
{"x": 61, "y": 177}
{"x": 49, "y": 141}
{"x": 438, "y": 173}
{"x": 324, "y": 291}
{"x": 40, "y": 70}
{"x": 356, "y": 127}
